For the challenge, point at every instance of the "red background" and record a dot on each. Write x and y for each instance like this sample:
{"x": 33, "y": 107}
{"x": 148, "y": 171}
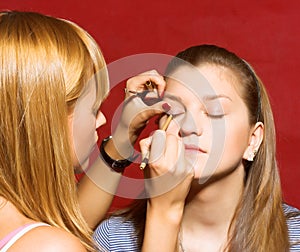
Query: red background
{"x": 266, "y": 33}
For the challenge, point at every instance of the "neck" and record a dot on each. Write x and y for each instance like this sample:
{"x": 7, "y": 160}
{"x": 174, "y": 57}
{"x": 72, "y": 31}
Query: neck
{"x": 210, "y": 208}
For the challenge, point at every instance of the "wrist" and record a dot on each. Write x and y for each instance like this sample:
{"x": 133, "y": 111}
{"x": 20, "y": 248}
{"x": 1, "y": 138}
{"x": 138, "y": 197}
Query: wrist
{"x": 123, "y": 141}
{"x": 112, "y": 158}
{"x": 172, "y": 214}
{"x": 111, "y": 149}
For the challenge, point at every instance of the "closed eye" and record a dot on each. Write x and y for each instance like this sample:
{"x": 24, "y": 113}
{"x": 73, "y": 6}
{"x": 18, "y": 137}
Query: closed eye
{"x": 214, "y": 109}
{"x": 215, "y": 116}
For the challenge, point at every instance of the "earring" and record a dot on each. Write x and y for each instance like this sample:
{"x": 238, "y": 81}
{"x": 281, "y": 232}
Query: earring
{"x": 252, "y": 155}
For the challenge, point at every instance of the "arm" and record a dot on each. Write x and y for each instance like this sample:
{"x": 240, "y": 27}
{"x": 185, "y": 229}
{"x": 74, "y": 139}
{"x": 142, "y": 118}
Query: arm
{"x": 162, "y": 228}
{"x": 96, "y": 190}
{"x": 169, "y": 185}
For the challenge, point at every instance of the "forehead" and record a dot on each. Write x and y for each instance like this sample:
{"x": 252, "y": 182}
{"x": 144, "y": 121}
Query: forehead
{"x": 203, "y": 82}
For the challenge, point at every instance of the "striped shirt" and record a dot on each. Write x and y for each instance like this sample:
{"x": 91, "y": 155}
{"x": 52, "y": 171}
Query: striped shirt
{"x": 117, "y": 235}
{"x": 294, "y": 228}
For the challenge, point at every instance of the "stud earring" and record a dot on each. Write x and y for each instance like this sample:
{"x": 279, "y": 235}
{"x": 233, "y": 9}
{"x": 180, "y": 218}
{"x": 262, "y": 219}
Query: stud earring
{"x": 252, "y": 155}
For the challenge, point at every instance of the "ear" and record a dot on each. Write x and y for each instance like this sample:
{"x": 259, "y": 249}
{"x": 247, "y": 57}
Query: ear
{"x": 255, "y": 140}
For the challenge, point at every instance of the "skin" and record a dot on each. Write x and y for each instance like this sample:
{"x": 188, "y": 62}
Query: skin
{"x": 217, "y": 208}
{"x": 209, "y": 207}
{"x": 94, "y": 201}
{"x": 83, "y": 124}
{"x": 46, "y": 238}
{"x": 195, "y": 120}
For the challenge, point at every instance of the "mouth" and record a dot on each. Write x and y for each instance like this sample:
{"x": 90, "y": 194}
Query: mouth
{"x": 190, "y": 147}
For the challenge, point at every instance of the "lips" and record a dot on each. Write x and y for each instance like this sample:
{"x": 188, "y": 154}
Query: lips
{"x": 191, "y": 147}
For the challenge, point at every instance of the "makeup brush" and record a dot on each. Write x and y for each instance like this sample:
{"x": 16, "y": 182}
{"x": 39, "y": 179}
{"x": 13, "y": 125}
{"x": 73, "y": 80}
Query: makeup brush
{"x": 146, "y": 158}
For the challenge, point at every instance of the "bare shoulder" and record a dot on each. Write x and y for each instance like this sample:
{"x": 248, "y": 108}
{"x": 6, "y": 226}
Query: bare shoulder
{"x": 48, "y": 239}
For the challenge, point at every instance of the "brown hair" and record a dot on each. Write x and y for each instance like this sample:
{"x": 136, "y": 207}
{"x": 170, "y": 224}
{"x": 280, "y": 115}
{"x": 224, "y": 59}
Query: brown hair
{"x": 259, "y": 223}
{"x": 45, "y": 64}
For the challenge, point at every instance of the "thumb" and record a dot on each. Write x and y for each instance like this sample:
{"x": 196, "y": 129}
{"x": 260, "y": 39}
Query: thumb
{"x": 157, "y": 145}
{"x": 145, "y": 146}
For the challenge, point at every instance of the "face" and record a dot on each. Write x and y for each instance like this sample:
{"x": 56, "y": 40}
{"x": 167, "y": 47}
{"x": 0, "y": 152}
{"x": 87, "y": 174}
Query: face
{"x": 211, "y": 118}
{"x": 83, "y": 123}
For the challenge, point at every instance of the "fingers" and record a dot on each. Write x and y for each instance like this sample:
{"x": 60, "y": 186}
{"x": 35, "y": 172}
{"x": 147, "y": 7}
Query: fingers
{"x": 135, "y": 111}
{"x": 145, "y": 146}
{"x": 167, "y": 169}
{"x": 138, "y": 83}
{"x": 158, "y": 145}
{"x": 163, "y": 153}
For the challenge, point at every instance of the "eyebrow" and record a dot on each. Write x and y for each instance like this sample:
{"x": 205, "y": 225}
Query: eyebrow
{"x": 205, "y": 98}
{"x": 214, "y": 97}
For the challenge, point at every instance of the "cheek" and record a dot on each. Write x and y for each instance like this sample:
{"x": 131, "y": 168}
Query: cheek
{"x": 84, "y": 132}
{"x": 236, "y": 142}
{"x": 83, "y": 138}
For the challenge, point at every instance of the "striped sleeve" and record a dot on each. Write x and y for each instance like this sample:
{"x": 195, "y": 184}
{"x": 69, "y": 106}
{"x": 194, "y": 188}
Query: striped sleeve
{"x": 116, "y": 235}
{"x": 293, "y": 224}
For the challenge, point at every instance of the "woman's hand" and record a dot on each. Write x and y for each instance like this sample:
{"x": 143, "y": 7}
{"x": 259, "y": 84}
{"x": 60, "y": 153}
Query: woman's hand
{"x": 94, "y": 200}
{"x": 168, "y": 180}
{"x": 169, "y": 174}
{"x": 142, "y": 102}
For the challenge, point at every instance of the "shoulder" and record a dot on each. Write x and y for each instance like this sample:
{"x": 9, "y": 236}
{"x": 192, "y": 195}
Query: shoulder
{"x": 289, "y": 209}
{"x": 49, "y": 239}
{"x": 292, "y": 217}
{"x": 293, "y": 223}
{"x": 117, "y": 234}
{"x": 115, "y": 226}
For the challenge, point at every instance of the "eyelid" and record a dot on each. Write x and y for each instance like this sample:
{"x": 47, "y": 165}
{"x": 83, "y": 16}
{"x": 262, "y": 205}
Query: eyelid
{"x": 214, "y": 108}
{"x": 215, "y": 112}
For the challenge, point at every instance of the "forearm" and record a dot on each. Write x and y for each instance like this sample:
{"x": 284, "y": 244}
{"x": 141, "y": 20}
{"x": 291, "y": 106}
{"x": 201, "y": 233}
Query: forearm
{"x": 162, "y": 229}
{"x": 97, "y": 188}
{"x": 95, "y": 200}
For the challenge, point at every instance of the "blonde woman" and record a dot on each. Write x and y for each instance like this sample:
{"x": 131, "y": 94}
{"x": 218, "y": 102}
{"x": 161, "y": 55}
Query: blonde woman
{"x": 222, "y": 129}
{"x": 45, "y": 65}
{"x": 52, "y": 82}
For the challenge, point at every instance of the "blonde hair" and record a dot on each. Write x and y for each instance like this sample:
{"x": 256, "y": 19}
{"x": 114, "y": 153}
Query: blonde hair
{"x": 45, "y": 64}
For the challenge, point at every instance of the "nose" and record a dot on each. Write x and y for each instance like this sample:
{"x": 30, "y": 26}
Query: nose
{"x": 100, "y": 119}
{"x": 191, "y": 123}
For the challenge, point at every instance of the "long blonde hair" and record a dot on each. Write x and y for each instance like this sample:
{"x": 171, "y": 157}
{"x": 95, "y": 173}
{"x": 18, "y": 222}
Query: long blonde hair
{"x": 45, "y": 64}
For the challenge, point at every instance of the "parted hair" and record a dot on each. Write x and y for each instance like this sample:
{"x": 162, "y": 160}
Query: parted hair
{"x": 261, "y": 201}
{"x": 45, "y": 63}
{"x": 259, "y": 222}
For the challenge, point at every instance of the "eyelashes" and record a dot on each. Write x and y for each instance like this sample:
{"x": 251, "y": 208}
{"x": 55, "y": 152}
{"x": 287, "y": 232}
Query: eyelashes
{"x": 214, "y": 116}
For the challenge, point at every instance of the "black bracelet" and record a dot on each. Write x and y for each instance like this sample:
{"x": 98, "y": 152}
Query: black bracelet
{"x": 116, "y": 165}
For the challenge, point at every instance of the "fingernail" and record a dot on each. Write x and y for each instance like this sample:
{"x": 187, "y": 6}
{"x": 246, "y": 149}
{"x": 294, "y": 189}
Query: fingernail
{"x": 166, "y": 107}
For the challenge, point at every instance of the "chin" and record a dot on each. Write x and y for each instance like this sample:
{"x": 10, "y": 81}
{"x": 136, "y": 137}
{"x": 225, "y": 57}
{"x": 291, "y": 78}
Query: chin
{"x": 203, "y": 173}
